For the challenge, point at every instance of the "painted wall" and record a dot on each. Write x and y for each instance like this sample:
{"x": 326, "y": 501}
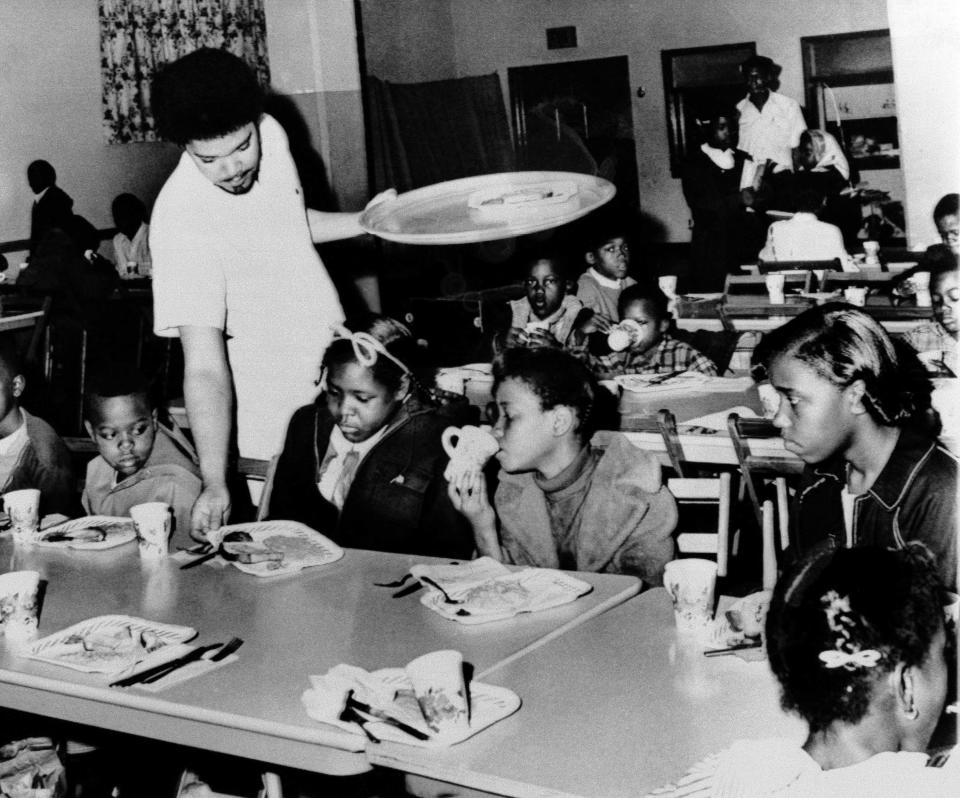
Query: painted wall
{"x": 314, "y": 61}
{"x": 925, "y": 37}
{"x": 496, "y": 34}
{"x": 409, "y": 41}
{"x": 50, "y": 106}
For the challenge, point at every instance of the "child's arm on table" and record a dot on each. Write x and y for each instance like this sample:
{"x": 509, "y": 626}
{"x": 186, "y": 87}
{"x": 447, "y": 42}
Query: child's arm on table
{"x": 468, "y": 494}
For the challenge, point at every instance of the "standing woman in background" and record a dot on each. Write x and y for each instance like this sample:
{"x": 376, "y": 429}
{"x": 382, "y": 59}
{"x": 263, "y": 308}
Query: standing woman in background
{"x": 723, "y": 232}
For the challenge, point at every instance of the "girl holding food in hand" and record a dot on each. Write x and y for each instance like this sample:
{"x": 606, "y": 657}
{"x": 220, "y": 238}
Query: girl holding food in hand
{"x": 561, "y": 503}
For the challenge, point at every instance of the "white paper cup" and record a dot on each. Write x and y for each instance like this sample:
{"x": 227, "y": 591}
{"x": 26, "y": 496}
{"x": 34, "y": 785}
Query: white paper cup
{"x": 451, "y": 381}
{"x": 441, "y": 692}
{"x": 468, "y": 448}
{"x": 19, "y": 604}
{"x": 691, "y": 583}
{"x": 668, "y": 284}
{"x": 856, "y": 295}
{"x": 153, "y": 529}
{"x": 775, "y": 283}
{"x": 23, "y": 507}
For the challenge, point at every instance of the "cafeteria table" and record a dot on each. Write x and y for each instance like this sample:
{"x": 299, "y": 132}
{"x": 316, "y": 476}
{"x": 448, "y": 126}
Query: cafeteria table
{"x": 294, "y": 626}
{"x": 761, "y": 316}
{"x": 615, "y": 708}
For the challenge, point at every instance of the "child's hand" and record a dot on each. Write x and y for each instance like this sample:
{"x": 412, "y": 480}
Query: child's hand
{"x": 541, "y": 338}
{"x": 595, "y": 323}
{"x": 468, "y": 495}
{"x": 515, "y": 337}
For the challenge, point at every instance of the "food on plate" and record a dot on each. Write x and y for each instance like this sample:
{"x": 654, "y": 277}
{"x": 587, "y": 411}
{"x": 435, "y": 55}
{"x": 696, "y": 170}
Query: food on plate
{"x": 250, "y": 553}
{"x": 92, "y": 534}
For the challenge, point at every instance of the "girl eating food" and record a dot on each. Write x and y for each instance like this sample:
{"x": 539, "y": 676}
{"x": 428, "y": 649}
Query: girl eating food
{"x": 363, "y": 464}
{"x": 561, "y": 503}
{"x": 856, "y": 410}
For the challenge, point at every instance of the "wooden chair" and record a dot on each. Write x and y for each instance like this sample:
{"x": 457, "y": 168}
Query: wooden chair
{"x": 756, "y": 284}
{"x": 758, "y": 471}
{"x": 271, "y": 787}
{"x": 260, "y": 470}
{"x": 697, "y": 492}
{"x": 874, "y": 279}
{"x": 665, "y": 425}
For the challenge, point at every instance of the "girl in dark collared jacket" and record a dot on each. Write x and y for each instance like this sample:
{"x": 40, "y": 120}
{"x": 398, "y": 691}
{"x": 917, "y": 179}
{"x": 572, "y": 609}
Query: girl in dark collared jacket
{"x": 856, "y": 409}
{"x": 364, "y": 464}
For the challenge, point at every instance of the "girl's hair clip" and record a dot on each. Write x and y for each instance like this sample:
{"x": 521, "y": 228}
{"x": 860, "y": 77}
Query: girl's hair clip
{"x": 867, "y": 658}
{"x": 366, "y": 348}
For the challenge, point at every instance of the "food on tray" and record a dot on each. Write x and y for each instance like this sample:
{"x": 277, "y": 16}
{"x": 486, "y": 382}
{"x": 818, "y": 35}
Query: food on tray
{"x": 105, "y": 644}
{"x": 250, "y": 553}
{"x": 92, "y": 534}
{"x": 512, "y": 198}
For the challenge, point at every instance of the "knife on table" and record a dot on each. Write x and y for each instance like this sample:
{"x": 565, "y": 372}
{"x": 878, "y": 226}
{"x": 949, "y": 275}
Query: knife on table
{"x": 146, "y": 676}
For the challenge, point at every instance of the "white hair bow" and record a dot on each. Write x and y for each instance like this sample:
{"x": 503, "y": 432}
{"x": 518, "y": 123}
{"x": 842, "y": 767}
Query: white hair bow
{"x": 852, "y": 660}
{"x": 366, "y": 348}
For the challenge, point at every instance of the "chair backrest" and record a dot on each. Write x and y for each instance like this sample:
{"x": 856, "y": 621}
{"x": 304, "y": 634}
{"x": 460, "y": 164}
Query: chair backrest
{"x": 665, "y": 425}
{"x": 700, "y": 491}
{"x": 768, "y": 266}
{"x": 264, "y": 470}
{"x": 832, "y": 280}
{"x": 754, "y": 468}
{"x": 757, "y": 283}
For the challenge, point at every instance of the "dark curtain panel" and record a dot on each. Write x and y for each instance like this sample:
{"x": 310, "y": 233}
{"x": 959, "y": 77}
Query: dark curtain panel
{"x": 423, "y": 133}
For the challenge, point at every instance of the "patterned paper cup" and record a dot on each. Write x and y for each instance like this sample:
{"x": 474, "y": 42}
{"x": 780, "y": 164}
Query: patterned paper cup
{"x": 441, "y": 692}
{"x": 153, "y": 529}
{"x": 19, "y": 605}
{"x": 691, "y": 583}
{"x": 23, "y": 507}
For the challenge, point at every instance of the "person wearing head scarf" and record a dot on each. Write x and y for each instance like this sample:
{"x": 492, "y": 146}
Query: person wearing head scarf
{"x": 822, "y": 168}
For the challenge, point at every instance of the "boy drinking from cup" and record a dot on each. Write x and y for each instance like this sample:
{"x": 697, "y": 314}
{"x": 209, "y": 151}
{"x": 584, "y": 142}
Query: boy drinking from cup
{"x": 140, "y": 460}
{"x": 641, "y": 343}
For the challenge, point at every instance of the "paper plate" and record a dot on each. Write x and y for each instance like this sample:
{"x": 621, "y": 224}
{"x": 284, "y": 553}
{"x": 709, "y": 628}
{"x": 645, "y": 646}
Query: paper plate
{"x": 489, "y": 703}
{"x": 118, "y": 531}
{"x": 85, "y": 646}
{"x": 302, "y": 547}
{"x": 487, "y": 207}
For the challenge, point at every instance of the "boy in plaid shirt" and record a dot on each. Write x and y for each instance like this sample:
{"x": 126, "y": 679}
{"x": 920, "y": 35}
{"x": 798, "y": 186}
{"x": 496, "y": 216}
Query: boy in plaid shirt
{"x": 654, "y": 350}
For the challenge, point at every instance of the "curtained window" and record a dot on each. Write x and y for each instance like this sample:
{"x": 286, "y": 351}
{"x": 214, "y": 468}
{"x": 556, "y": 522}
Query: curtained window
{"x": 139, "y": 36}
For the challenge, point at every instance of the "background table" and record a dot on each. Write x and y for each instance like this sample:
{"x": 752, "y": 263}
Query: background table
{"x": 293, "y": 626}
{"x": 613, "y": 708}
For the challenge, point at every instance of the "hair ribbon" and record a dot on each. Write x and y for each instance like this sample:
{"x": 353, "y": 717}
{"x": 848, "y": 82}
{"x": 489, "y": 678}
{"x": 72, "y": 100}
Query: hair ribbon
{"x": 366, "y": 348}
{"x": 867, "y": 658}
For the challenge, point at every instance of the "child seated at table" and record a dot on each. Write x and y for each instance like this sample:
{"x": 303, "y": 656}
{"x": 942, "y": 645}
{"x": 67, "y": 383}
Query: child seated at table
{"x": 653, "y": 350}
{"x": 857, "y": 410}
{"x": 131, "y": 247}
{"x": 805, "y": 237}
{"x": 936, "y": 340}
{"x": 31, "y": 453}
{"x": 364, "y": 463}
{"x": 139, "y": 460}
{"x": 549, "y": 313}
{"x": 607, "y": 255}
{"x": 857, "y": 640}
{"x": 560, "y": 502}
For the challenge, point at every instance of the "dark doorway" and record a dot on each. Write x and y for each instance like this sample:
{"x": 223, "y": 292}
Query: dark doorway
{"x": 577, "y": 116}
